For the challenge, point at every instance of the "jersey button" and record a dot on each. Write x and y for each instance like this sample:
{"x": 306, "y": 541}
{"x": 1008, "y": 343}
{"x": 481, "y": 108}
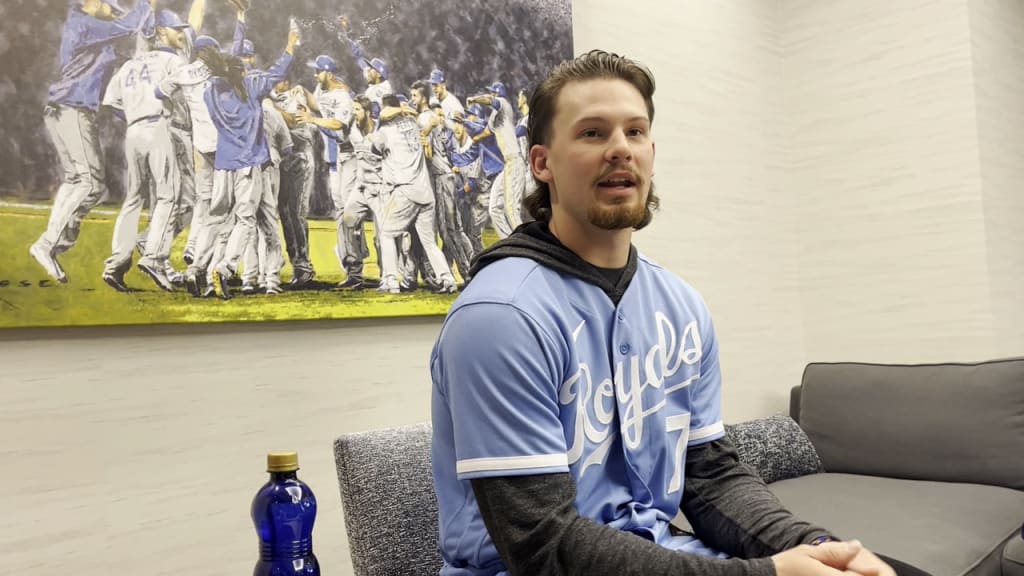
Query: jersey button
{"x": 624, "y": 349}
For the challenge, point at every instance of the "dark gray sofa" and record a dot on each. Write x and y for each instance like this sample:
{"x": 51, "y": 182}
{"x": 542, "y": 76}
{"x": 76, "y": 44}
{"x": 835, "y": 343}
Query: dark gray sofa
{"x": 921, "y": 463}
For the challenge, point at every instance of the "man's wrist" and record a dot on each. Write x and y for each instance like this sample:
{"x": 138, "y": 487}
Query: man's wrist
{"x": 822, "y": 539}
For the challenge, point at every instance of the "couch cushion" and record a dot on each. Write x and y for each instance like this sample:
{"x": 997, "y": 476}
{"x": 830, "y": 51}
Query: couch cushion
{"x": 1013, "y": 556}
{"x": 775, "y": 447}
{"x": 943, "y": 528}
{"x": 947, "y": 422}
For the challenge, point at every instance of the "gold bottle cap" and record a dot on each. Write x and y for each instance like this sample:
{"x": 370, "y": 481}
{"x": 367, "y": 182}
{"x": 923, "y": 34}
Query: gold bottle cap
{"x": 282, "y": 461}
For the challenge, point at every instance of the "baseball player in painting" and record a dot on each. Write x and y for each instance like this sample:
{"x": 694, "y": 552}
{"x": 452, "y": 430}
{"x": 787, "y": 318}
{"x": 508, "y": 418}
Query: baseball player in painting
{"x": 193, "y": 81}
{"x": 507, "y": 187}
{"x": 375, "y": 70}
{"x": 333, "y": 101}
{"x": 411, "y": 203}
{"x": 263, "y": 261}
{"x": 449, "y": 103}
{"x": 149, "y": 153}
{"x": 297, "y": 178}
{"x": 87, "y": 62}
{"x": 235, "y": 100}
{"x": 434, "y": 132}
{"x": 365, "y": 200}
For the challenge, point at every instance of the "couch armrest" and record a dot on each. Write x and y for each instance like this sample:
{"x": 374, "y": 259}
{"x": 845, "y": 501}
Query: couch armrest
{"x": 794, "y": 403}
{"x": 775, "y": 447}
{"x": 1013, "y": 555}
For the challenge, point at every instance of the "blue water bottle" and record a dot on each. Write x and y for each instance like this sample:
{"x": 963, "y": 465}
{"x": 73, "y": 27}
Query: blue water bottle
{"x": 283, "y": 512}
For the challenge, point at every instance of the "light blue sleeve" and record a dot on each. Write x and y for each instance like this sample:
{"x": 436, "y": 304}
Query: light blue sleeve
{"x": 498, "y": 372}
{"x": 706, "y": 393}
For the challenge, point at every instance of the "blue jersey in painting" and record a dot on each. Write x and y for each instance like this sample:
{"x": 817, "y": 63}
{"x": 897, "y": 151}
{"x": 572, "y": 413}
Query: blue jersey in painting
{"x": 87, "y": 58}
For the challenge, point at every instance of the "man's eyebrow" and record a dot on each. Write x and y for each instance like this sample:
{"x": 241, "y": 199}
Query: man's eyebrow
{"x": 599, "y": 119}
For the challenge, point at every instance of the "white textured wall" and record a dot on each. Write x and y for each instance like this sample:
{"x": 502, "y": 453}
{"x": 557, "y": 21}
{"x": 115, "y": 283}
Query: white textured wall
{"x": 997, "y": 44}
{"x": 885, "y": 164}
{"x": 839, "y": 179}
{"x": 142, "y": 448}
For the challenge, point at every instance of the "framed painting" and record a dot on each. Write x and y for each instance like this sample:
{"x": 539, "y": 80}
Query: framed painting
{"x": 192, "y": 161}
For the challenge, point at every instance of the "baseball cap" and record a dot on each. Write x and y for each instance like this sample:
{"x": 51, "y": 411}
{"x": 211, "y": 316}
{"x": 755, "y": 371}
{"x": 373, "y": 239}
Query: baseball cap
{"x": 436, "y": 76}
{"x": 498, "y": 88}
{"x": 324, "y": 63}
{"x": 379, "y": 65}
{"x": 247, "y": 49}
{"x": 476, "y": 110}
{"x": 168, "y": 19}
{"x": 205, "y": 41}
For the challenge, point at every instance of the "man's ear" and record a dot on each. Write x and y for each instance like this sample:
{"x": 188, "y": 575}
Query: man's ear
{"x": 539, "y": 163}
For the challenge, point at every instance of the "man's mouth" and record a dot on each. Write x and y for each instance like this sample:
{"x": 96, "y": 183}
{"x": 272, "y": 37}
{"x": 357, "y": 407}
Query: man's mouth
{"x": 619, "y": 180}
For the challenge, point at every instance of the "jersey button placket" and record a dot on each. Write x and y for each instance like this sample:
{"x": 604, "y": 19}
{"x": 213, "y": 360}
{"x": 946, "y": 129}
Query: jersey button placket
{"x": 621, "y": 333}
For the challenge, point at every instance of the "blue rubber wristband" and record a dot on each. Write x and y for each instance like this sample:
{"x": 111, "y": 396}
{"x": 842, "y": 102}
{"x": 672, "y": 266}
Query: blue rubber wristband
{"x": 822, "y": 540}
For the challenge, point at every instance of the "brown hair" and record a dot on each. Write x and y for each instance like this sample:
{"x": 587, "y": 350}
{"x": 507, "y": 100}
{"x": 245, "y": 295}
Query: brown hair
{"x": 229, "y": 67}
{"x": 593, "y": 65}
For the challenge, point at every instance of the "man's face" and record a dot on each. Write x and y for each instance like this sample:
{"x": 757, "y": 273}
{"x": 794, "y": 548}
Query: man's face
{"x": 459, "y": 130}
{"x": 358, "y": 111}
{"x": 521, "y": 100}
{"x": 372, "y": 76}
{"x": 172, "y": 37}
{"x": 599, "y": 159}
{"x": 417, "y": 98}
{"x": 282, "y": 86}
{"x": 440, "y": 91}
{"x": 323, "y": 78}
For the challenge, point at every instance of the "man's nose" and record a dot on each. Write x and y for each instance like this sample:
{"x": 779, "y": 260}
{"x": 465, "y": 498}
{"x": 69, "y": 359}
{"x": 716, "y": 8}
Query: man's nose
{"x": 618, "y": 148}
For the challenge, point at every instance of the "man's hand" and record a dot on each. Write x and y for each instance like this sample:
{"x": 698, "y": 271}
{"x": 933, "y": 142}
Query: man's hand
{"x": 866, "y": 563}
{"x": 304, "y": 116}
{"x": 828, "y": 559}
{"x": 293, "y": 40}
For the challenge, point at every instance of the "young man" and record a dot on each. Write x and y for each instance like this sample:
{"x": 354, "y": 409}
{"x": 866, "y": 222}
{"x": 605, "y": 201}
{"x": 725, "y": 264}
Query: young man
{"x": 569, "y": 443}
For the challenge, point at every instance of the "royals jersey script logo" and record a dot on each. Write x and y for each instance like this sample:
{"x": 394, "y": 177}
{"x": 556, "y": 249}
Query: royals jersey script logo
{"x": 641, "y": 387}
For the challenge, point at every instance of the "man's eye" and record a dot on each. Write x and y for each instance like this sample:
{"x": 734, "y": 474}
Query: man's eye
{"x": 590, "y": 133}
{"x": 637, "y": 132}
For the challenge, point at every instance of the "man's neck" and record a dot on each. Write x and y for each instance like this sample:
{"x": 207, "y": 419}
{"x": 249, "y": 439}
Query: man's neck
{"x": 336, "y": 85}
{"x": 602, "y": 248}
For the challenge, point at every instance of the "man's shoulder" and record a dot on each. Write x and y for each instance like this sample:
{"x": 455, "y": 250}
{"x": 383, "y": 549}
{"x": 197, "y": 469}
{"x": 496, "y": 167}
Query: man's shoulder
{"x": 667, "y": 283}
{"x": 517, "y": 282}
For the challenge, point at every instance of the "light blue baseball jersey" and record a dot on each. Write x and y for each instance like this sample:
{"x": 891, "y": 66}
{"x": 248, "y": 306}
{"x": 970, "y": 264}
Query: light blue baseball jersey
{"x": 539, "y": 372}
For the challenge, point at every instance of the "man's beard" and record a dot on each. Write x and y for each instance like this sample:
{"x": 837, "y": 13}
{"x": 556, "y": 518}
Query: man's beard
{"x": 620, "y": 216}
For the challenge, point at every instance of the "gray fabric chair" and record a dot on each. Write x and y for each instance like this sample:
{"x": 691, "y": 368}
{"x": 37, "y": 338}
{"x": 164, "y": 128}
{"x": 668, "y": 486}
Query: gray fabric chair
{"x": 387, "y": 497}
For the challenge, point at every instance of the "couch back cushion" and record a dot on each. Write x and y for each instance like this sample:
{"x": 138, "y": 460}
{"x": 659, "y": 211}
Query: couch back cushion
{"x": 945, "y": 422}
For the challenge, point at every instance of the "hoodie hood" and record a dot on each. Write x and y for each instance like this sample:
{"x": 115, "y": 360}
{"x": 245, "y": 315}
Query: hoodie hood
{"x": 535, "y": 241}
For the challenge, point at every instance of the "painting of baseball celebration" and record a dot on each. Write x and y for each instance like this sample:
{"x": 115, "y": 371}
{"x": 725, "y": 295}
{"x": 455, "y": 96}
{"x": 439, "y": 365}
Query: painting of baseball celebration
{"x": 193, "y": 161}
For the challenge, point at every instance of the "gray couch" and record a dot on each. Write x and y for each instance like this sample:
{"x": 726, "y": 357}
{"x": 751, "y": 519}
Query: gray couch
{"x": 922, "y": 463}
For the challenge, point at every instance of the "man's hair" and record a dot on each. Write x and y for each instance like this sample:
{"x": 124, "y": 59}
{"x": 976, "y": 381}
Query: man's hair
{"x": 367, "y": 105}
{"x": 594, "y": 65}
{"x": 421, "y": 87}
{"x": 226, "y": 66}
{"x": 390, "y": 100}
